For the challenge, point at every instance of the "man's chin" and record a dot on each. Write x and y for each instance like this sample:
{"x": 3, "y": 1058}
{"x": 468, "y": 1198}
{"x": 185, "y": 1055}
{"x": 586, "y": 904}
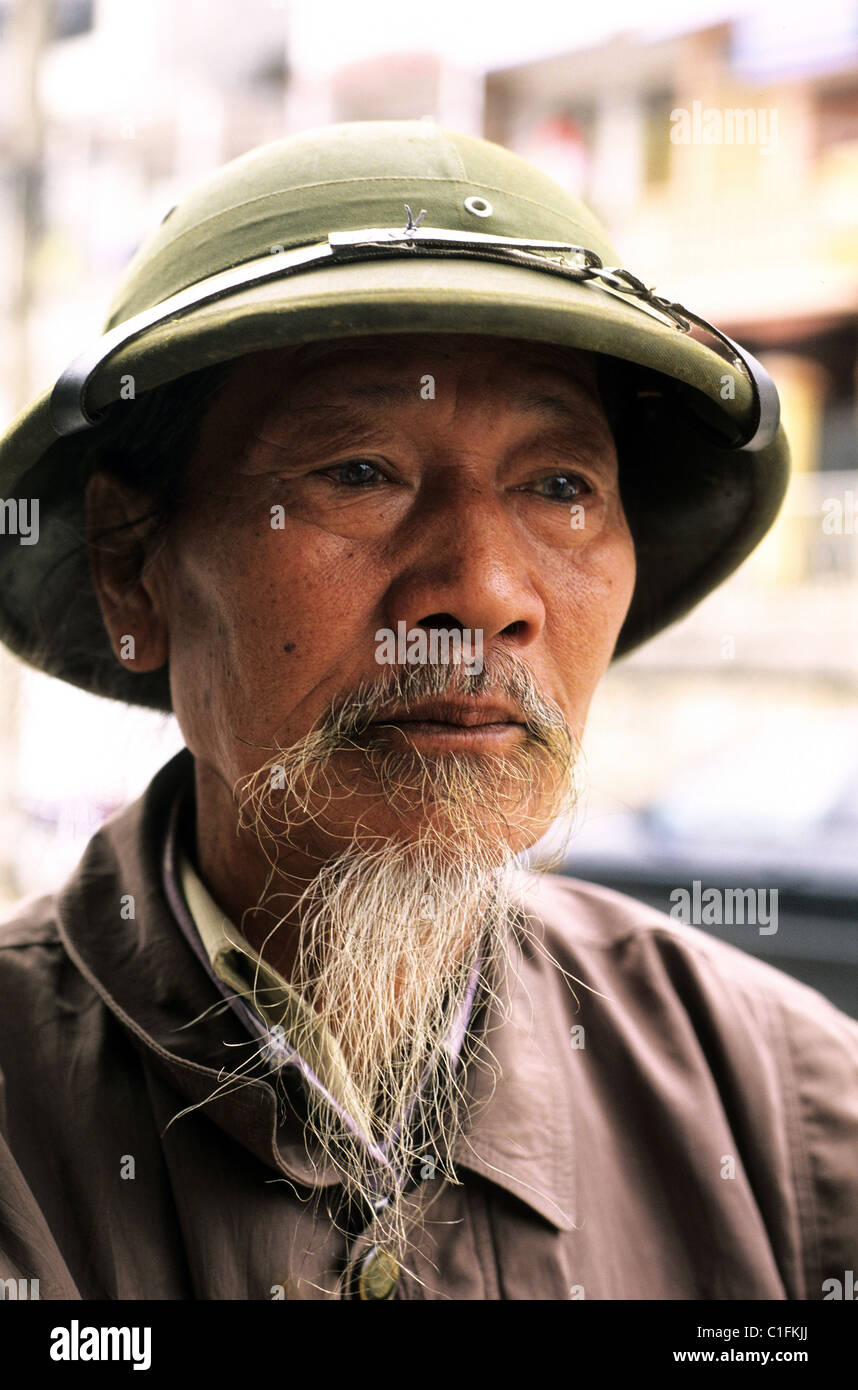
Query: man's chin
{"x": 423, "y": 803}
{"x": 449, "y": 789}
{"x": 432, "y": 838}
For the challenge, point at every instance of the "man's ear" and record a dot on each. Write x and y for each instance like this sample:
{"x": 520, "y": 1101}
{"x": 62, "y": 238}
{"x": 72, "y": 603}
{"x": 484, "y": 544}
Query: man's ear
{"x": 119, "y": 545}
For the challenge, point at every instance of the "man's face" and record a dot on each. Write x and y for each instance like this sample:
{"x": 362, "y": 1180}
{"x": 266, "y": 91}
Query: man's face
{"x": 413, "y": 483}
{"x": 344, "y": 488}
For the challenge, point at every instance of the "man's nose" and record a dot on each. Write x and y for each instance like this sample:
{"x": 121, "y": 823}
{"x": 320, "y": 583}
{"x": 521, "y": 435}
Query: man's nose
{"x": 466, "y": 564}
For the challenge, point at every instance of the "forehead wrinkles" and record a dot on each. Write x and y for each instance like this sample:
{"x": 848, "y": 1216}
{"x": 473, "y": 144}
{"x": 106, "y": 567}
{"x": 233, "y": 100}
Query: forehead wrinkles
{"x": 385, "y": 355}
{"x": 324, "y": 399}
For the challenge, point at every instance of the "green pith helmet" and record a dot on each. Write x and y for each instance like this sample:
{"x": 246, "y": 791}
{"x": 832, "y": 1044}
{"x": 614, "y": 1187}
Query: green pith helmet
{"x": 396, "y": 227}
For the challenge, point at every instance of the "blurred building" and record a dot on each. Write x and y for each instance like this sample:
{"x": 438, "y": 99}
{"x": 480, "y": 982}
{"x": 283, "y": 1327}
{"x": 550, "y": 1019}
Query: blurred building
{"x": 725, "y": 162}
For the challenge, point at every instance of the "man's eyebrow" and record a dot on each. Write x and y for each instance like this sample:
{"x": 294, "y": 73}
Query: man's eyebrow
{"x": 332, "y": 426}
{"x": 583, "y": 420}
{"x": 361, "y": 399}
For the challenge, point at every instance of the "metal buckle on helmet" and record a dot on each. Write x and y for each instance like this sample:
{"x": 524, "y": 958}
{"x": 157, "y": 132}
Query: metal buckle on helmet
{"x": 68, "y": 411}
{"x": 585, "y": 265}
{"x": 416, "y": 236}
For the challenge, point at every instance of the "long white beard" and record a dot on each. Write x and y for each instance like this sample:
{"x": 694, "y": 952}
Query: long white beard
{"x": 393, "y": 948}
{"x": 395, "y": 939}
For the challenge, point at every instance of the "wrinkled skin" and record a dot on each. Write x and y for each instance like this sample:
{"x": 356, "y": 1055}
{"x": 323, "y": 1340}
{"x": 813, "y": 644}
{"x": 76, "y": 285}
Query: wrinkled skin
{"x": 457, "y": 511}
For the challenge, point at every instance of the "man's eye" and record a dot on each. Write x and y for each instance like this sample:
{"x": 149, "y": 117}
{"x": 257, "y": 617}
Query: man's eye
{"x": 355, "y": 473}
{"x": 563, "y": 486}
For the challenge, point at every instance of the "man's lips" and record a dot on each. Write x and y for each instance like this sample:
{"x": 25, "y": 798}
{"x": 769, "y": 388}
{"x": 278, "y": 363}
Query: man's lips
{"x": 453, "y": 714}
{"x": 471, "y": 724}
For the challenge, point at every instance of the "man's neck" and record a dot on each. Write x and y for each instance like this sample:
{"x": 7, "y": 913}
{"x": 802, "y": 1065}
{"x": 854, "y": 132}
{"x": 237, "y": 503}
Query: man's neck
{"x": 237, "y": 874}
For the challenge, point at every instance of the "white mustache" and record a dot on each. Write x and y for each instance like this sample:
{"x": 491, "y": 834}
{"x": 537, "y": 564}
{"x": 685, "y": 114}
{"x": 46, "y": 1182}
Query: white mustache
{"x": 501, "y": 676}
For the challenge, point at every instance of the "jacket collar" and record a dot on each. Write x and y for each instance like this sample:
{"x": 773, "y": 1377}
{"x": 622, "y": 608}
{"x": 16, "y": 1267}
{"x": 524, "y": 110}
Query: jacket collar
{"x": 118, "y": 928}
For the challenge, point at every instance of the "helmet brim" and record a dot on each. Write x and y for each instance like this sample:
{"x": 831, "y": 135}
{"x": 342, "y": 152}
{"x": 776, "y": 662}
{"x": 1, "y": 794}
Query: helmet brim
{"x": 696, "y": 509}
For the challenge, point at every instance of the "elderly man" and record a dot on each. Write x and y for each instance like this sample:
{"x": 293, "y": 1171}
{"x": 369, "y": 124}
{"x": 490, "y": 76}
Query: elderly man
{"x": 376, "y": 469}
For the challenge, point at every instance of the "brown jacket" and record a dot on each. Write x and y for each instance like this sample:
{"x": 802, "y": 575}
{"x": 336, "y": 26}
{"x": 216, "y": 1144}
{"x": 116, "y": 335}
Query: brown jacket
{"x": 702, "y": 1143}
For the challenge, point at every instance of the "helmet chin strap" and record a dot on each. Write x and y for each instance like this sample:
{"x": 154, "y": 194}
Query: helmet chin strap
{"x": 69, "y": 414}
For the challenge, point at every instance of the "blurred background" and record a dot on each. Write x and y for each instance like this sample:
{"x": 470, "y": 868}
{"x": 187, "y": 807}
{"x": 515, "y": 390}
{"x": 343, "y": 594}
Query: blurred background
{"x": 721, "y": 150}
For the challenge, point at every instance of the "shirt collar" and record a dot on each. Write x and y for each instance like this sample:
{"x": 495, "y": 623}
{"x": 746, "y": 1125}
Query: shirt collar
{"x": 270, "y": 1009}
